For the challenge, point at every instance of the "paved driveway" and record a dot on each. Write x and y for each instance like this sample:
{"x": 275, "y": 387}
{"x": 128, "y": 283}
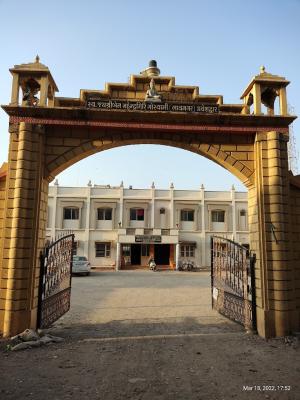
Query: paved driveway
{"x": 137, "y": 335}
{"x": 143, "y": 303}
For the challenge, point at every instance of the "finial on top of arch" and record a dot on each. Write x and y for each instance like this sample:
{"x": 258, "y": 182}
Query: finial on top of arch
{"x": 262, "y": 69}
{"x": 37, "y": 59}
{"x": 152, "y": 69}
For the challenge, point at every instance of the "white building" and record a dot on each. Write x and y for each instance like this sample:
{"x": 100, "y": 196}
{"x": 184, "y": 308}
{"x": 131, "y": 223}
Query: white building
{"x": 118, "y": 226}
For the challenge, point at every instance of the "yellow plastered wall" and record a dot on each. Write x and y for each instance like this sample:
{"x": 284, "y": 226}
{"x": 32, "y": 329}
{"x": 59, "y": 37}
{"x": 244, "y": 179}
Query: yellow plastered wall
{"x": 2, "y": 206}
{"x": 295, "y": 240}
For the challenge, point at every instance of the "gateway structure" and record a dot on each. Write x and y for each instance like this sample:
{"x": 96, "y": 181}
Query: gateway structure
{"x": 49, "y": 133}
{"x": 122, "y": 227}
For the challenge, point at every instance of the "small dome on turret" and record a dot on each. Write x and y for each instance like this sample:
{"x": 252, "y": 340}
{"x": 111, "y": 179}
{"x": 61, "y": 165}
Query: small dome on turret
{"x": 152, "y": 70}
{"x": 153, "y": 63}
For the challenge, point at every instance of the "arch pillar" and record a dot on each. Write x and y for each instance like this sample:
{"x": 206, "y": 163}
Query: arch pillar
{"x": 269, "y": 235}
{"x": 24, "y": 227}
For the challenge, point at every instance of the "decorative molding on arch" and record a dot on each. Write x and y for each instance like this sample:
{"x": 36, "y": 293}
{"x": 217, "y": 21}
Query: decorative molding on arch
{"x": 69, "y": 155}
{"x": 148, "y": 126}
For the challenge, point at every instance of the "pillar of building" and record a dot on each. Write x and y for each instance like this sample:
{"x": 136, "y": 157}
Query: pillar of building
{"x": 54, "y": 211}
{"x": 151, "y": 250}
{"x": 177, "y": 253}
{"x": 203, "y": 230}
{"x": 172, "y": 256}
{"x": 44, "y": 82}
{"x": 121, "y": 221}
{"x": 152, "y": 218}
{"x": 26, "y": 202}
{"x": 283, "y": 101}
{"x": 257, "y": 98}
{"x": 87, "y": 222}
{"x": 113, "y": 217}
{"x": 126, "y": 216}
{"x": 196, "y": 218}
{"x": 15, "y": 90}
{"x": 171, "y": 192}
{"x": 177, "y": 218}
{"x": 118, "y": 256}
{"x": 233, "y": 208}
{"x": 269, "y": 229}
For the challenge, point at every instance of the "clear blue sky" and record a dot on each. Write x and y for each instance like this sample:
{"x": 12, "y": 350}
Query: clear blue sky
{"x": 217, "y": 45}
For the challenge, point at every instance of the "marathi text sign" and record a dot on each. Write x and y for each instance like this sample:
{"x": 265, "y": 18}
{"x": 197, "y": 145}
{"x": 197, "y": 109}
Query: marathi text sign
{"x": 147, "y": 239}
{"x": 152, "y": 106}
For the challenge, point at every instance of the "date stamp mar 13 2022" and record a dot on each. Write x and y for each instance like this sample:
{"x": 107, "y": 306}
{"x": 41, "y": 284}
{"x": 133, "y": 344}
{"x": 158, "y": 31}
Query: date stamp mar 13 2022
{"x": 266, "y": 388}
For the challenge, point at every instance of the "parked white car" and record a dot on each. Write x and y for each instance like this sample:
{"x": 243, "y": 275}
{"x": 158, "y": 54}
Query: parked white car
{"x": 81, "y": 265}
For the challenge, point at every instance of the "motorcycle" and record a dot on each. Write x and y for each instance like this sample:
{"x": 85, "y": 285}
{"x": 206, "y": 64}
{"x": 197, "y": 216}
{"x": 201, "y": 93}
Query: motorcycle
{"x": 186, "y": 266}
{"x": 152, "y": 265}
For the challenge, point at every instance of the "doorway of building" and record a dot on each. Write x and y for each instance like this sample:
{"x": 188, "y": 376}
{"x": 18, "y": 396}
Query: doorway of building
{"x": 135, "y": 254}
{"x": 162, "y": 254}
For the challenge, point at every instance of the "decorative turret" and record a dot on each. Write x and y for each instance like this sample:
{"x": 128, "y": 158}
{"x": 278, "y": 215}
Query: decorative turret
{"x": 37, "y": 84}
{"x": 263, "y": 89}
{"x": 152, "y": 70}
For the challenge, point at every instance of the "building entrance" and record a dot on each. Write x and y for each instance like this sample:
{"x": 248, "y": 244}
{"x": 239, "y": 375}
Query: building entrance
{"x": 135, "y": 254}
{"x": 49, "y": 133}
{"x": 162, "y": 254}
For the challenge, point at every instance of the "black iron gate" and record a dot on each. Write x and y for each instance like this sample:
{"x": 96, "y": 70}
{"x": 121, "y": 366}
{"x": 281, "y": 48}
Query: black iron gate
{"x": 55, "y": 280}
{"x": 233, "y": 281}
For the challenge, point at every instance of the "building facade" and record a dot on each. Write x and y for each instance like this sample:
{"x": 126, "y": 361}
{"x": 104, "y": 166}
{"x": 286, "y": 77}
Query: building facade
{"x": 120, "y": 227}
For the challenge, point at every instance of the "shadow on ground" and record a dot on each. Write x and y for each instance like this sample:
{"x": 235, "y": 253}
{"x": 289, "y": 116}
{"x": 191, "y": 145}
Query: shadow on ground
{"x": 151, "y": 327}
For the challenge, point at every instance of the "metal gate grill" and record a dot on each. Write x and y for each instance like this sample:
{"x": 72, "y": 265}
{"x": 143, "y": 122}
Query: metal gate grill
{"x": 232, "y": 281}
{"x": 55, "y": 280}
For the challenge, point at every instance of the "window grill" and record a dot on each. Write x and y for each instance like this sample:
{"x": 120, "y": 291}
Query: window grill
{"x": 137, "y": 214}
{"x": 71, "y": 213}
{"x": 218, "y": 216}
{"x": 104, "y": 214}
{"x": 102, "y": 249}
{"x": 187, "y": 215}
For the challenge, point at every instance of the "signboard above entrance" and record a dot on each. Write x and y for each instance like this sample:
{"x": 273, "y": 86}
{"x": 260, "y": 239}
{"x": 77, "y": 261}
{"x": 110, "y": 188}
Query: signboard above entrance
{"x": 201, "y": 108}
{"x": 148, "y": 239}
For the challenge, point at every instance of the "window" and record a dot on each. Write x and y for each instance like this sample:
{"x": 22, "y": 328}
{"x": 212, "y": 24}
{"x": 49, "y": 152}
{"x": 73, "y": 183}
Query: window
{"x": 137, "y": 214}
{"x": 218, "y": 216}
{"x": 104, "y": 214}
{"x": 162, "y": 211}
{"x": 102, "y": 249}
{"x": 145, "y": 250}
{"x": 187, "y": 215}
{"x": 243, "y": 220}
{"x": 126, "y": 250}
{"x": 187, "y": 250}
{"x": 71, "y": 213}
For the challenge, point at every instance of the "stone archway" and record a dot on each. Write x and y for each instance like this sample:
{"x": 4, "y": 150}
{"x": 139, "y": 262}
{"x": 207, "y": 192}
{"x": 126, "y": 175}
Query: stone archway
{"x": 48, "y": 134}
